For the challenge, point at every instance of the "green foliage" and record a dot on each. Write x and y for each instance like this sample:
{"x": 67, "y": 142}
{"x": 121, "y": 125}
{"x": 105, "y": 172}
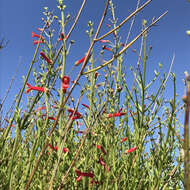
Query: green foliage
{"x": 128, "y": 138}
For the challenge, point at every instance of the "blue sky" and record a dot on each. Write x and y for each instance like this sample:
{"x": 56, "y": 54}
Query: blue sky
{"x": 18, "y": 19}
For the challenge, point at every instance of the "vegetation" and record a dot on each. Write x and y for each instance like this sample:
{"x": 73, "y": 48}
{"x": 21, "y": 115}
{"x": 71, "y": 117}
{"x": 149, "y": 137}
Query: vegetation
{"x": 100, "y": 130}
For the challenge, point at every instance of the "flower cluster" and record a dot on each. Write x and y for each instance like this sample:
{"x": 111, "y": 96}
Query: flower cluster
{"x": 74, "y": 115}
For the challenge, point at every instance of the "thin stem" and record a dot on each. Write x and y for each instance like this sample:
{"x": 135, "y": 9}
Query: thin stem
{"x": 127, "y": 46}
{"x": 186, "y": 137}
{"x": 131, "y": 15}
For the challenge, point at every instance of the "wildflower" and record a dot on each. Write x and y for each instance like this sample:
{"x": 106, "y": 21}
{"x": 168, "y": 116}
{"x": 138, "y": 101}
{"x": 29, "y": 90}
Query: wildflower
{"x": 80, "y": 61}
{"x": 124, "y": 139}
{"x": 86, "y": 106}
{"x": 45, "y": 57}
{"x": 76, "y": 115}
{"x": 53, "y": 147}
{"x": 65, "y": 83}
{"x": 39, "y": 89}
{"x": 39, "y": 41}
{"x": 38, "y": 36}
{"x": 50, "y": 117}
{"x": 8, "y": 122}
{"x": 101, "y": 148}
{"x": 96, "y": 75}
{"x": 41, "y": 108}
{"x": 83, "y": 174}
{"x": 62, "y": 37}
{"x": 100, "y": 161}
{"x": 104, "y": 41}
{"x": 104, "y": 47}
{"x": 118, "y": 114}
{"x": 79, "y": 178}
{"x": 65, "y": 150}
{"x": 131, "y": 150}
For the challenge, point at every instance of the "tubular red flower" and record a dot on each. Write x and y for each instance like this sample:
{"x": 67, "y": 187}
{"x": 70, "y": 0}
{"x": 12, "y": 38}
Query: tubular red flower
{"x": 100, "y": 161}
{"x": 50, "y": 117}
{"x": 38, "y": 36}
{"x": 79, "y": 178}
{"x": 85, "y": 174}
{"x": 53, "y": 147}
{"x": 65, "y": 150}
{"x": 124, "y": 139}
{"x": 65, "y": 83}
{"x": 86, "y": 106}
{"x": 106, "y": 48}
{"x": 39, "y": 89}
{"x": 96, "y": 75}
{"x": 45, "y": 57}
{"x": 62, "y": 37}
{"x": 131, "y": 150}
{"x": 80, "y": 61}
{"x": 40, "y": 108}
{"x": 104, "y": 41}
{"x": 39, "y": 41}
{"x": 118, "y": 114}
{"x": 76, "y": 115}
{"x": 101, "y": 148}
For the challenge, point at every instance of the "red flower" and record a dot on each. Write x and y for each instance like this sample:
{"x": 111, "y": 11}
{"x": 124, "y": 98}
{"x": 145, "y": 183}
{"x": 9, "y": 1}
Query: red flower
{"x": 124, "y": 139}
{"x": 40, "y": 89}
{"x": 53, "y": 147}
{"x": 41, "y": 108}
{"x": 39, "y": 41}
{"x": 38, "y": 36}
{"x": 86, "y": 106}
{"x": 131, "y": 150}
{"x": 74, "y": 115}
{"x": 96, "y": 75}
{"x": 106, "y": 48}
{"x": 80, "y": 61}
{"x": 45, "y": 57}
{"x": 65, "y": 150}
{"x": 50, "y": 117}
{"x": 8, "y": 122}
{"x": 62, "y": 37}
{"x": 85, "y": 174}
{"x": 100, "y": 161}
{"x": 104, "y": 41}
{"x": 101, "y": 148}
{"x": 65, "y": 83}
{"x": 118, "y": 114}
{"x": 79, "y": 178}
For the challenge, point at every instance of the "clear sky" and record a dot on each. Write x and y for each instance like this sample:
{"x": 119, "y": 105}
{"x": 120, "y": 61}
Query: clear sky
{"x": 18, "y": 19}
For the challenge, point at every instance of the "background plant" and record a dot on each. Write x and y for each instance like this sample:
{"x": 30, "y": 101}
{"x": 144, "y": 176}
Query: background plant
{"x": 129, "y": 135}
